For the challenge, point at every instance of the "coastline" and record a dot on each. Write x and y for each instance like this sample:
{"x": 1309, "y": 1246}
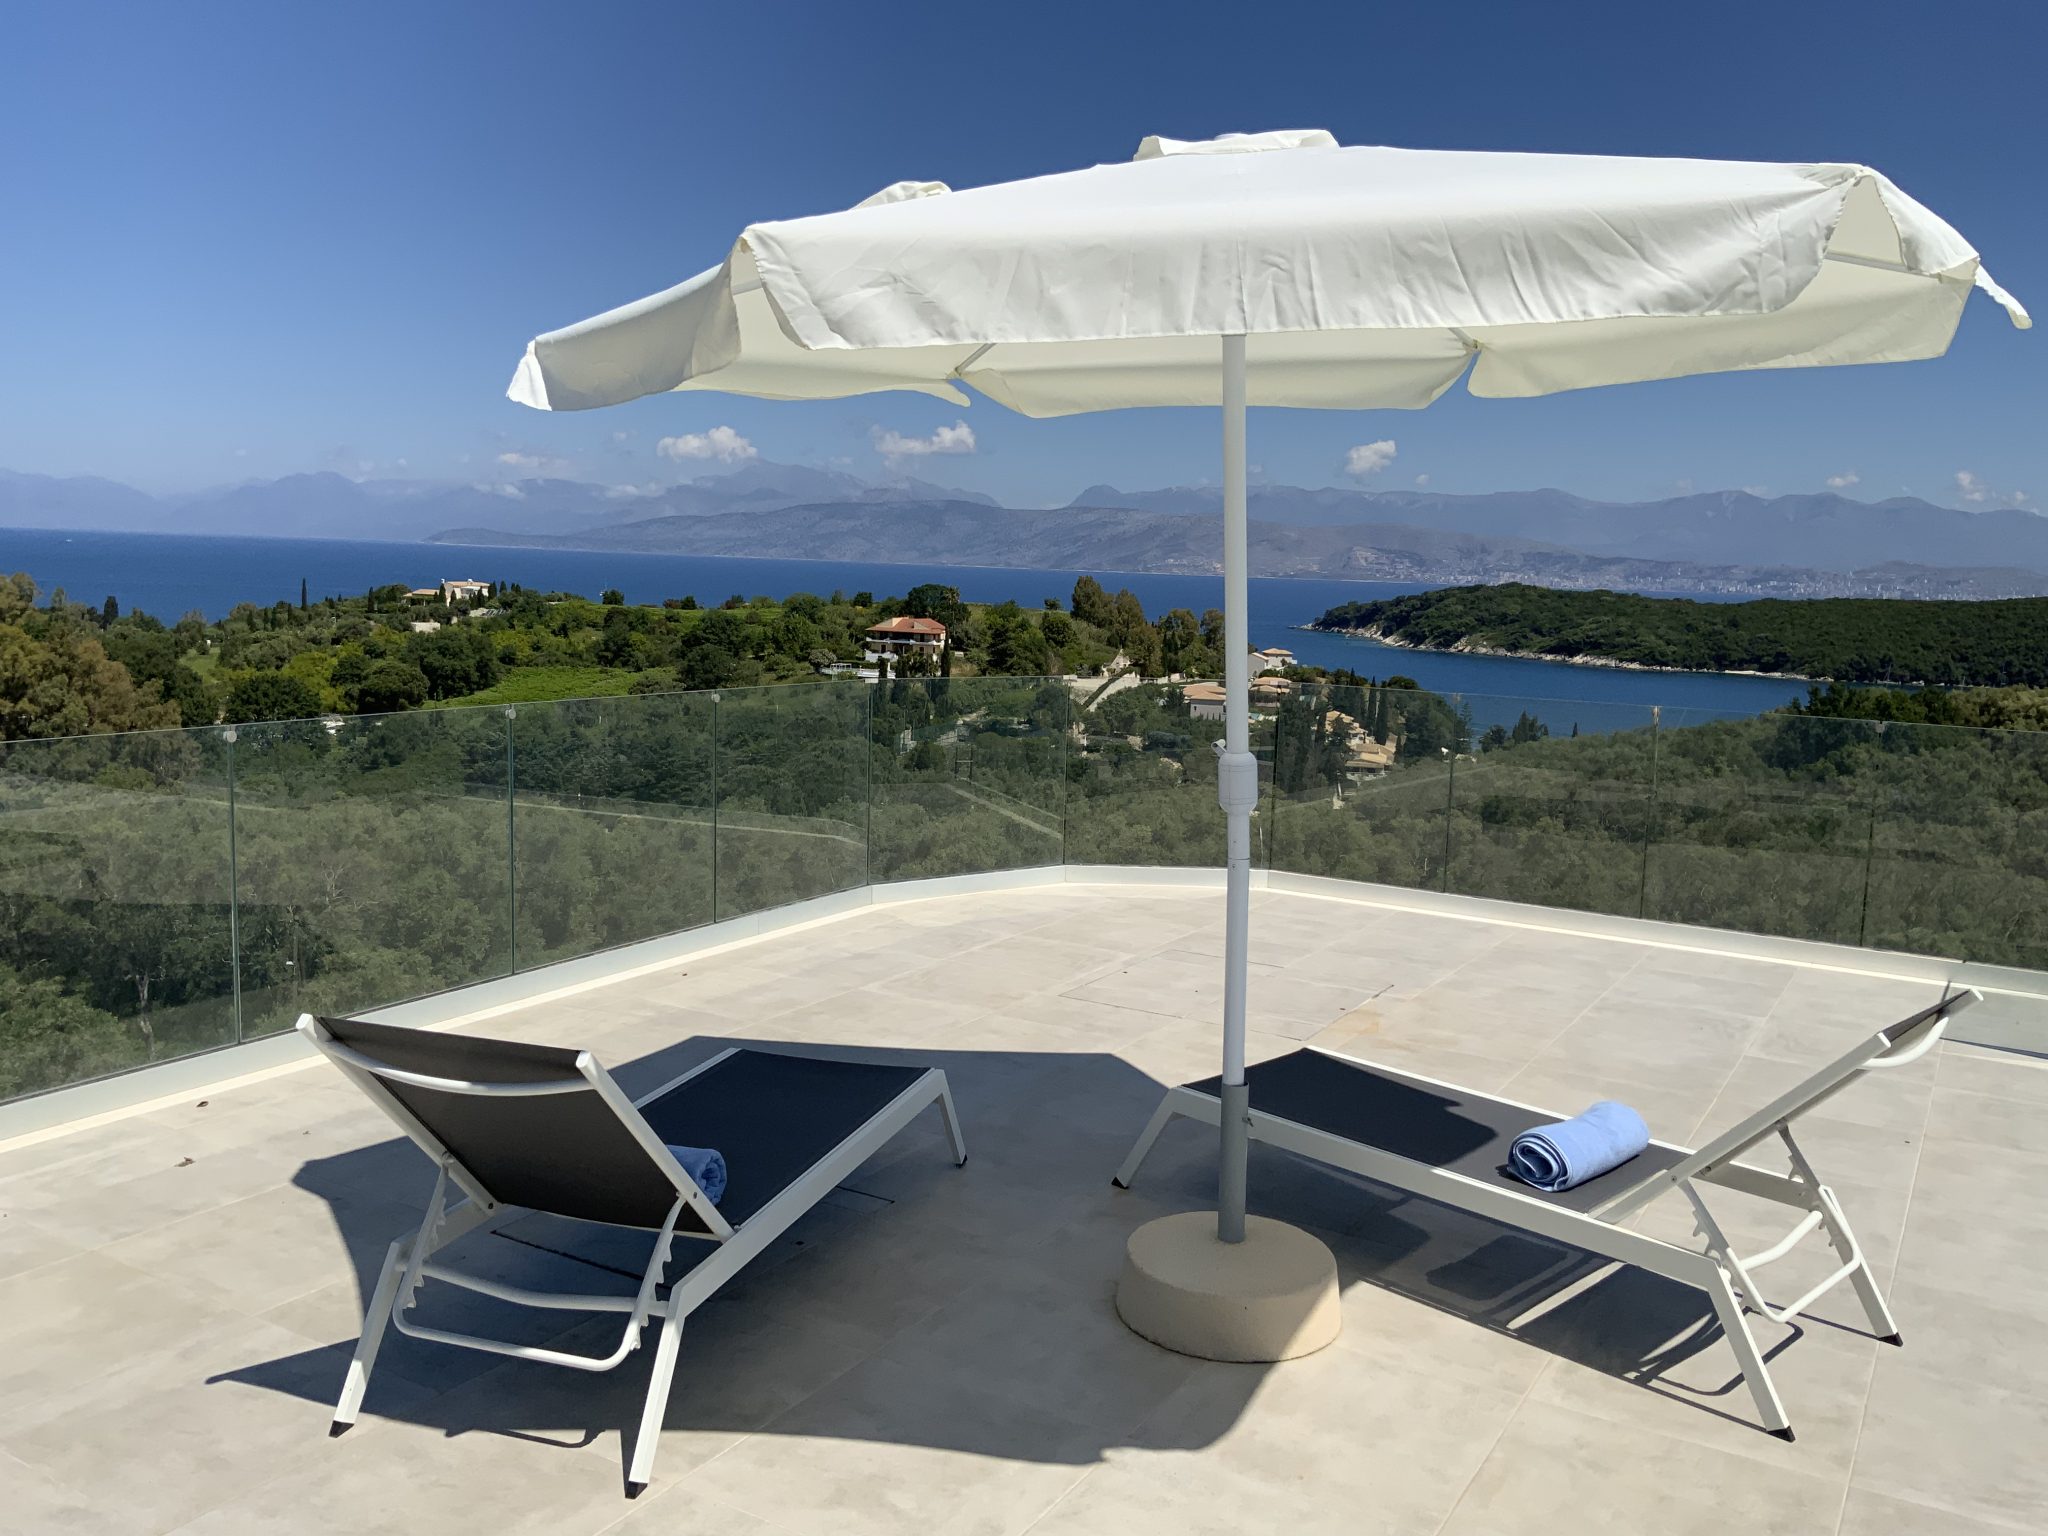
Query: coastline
{"x": 1469, "y": 648}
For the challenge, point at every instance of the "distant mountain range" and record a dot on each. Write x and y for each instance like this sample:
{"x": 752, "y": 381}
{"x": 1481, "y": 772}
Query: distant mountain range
{"x": 1724, "y": 541}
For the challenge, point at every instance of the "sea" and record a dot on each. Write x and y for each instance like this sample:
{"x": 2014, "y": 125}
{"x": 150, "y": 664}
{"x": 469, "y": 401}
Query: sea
{"x": 169, "y": 575}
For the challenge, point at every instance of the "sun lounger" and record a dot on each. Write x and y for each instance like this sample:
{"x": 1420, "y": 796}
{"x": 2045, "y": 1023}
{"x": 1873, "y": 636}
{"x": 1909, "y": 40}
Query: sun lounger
{"x": 514, "y": 1126}
{"x": 1449, "y": 1144}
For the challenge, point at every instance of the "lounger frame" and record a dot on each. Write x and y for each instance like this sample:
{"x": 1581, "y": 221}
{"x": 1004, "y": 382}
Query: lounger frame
{"x": 1728, "y": 1278}
{"x": 460, "y": 1204}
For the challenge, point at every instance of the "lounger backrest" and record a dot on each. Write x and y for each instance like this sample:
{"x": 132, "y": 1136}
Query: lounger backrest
{"x": 1894, "y": 1045}
{"x": 578, "y": 1149}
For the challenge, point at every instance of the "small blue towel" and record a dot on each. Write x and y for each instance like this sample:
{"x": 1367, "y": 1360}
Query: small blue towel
{"x": 706, "y": 1167}
{"x": 1558, "y": 1157}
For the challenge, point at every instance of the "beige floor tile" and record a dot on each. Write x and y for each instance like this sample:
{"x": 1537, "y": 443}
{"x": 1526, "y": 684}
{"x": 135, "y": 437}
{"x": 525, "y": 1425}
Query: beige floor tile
{"x": 1557, "y": 1469}
{"x": 1873, "y": 1514}
{"x": 886, "y": 1449}
{"x": 1053, "y": 1344}
{"x": 263, "y": 1251}
{"x": 393, "y": 1476}
{"x": 1988, "y": 1120}
{"x": 25, "y": 1245}
{"x": 36, "y": 1502}
{"x": 1972, "y": 1069}
{"x": 1379, "y": 1442}
{"x": 1953, "y": 1443}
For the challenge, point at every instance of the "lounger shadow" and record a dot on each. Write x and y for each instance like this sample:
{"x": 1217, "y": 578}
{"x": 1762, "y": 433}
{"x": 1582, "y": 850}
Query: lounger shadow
{"x": 516, "y": 1126}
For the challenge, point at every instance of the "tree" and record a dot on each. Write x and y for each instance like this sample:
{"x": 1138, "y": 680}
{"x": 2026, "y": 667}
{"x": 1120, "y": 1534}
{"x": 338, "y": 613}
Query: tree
{"x": 930, "y": 600}
{"x": 612, "y": 597}
{"x": 302, "y": 594}
{"x": 1091, "y": 603}
{"x": 1180, "y": 642}
{"x": 198, "y": 701}
{"x": 707, "y": 666}
{"x": 615, "y": 644}
{"x": 271, "y": 696}
{"x": 456, "y": 659}
{"x": 388, "y": 686}
{"x": 109, "y": 611}
{"x": 69, "y": 686}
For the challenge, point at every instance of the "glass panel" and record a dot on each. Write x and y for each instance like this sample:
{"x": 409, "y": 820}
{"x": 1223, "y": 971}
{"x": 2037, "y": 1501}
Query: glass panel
{"x": 1761, "y": 825}
{"x": 792, "y": 788}
{"x": 1362, "y": 779}
{"x": 1960, "y": 844}
{"x": 969, "y": 775}
{"x": 1552, "y": 804}
{"x": 1142, "y": 779}
{"x": 373, "y": 860}
{"x": 115, "y": 946}
{"x": 612, "y": 821}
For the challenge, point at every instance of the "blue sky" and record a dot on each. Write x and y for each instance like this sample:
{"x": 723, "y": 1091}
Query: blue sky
{"x": 248, "y": 240}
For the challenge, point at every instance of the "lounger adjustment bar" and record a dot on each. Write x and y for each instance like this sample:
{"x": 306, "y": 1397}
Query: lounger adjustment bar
{"x": 639, "y": 1306}
{"x": 1823, "y": 1210}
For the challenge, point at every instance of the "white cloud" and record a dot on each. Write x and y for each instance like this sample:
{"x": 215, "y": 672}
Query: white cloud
{"x": 1844, "y": 480}
{"x": 1421, "y": 482}
{"x": 1369, "y": 458}
{"x": 621, "y": 437}
{"x": 891, "y": 444}
{"x": 1972, "y": 486}
{"x": 627, "y": 492}
{"x": 509, "y": 492}
{"x": 533, "y": 463}
{"x": 1756, "y": 490}
{"x": 720, "y": 443}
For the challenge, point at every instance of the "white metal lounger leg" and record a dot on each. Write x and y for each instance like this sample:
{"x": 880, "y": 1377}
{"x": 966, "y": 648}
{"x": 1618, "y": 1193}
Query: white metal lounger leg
{"x": 1736, "y": 1325}
{"x": 640, "y": 1470}
{"x": 952, "y": 1118}
{"x": 1160, "y": 1116}
{"x": 1844, "y": 1243}
{"x": 375, "y": 1321}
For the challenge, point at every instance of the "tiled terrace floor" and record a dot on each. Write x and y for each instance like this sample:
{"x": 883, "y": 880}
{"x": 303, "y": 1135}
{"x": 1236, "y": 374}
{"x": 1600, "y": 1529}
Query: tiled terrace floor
{"x": 935, "y": 1351}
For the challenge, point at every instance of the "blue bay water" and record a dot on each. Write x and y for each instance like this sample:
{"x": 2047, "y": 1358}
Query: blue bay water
{"x": 170, "y": 574}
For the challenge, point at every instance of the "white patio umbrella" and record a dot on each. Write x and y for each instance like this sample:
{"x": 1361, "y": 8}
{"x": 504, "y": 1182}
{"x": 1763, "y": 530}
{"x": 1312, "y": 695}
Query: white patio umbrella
{"x": 1282, "y": 269}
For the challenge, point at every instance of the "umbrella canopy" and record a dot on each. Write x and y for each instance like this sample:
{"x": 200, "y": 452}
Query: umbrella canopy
{"x": 1284, "y": 269}
{"x": 1363, "y": 277}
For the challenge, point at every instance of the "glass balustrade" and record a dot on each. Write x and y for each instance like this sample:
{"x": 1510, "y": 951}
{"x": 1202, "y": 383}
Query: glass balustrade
{"x": 168, "y": 892}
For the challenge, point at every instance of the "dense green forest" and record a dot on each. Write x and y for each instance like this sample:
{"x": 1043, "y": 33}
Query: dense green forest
{"x": 1849, "y": 639}
{"x": 68, "y": 669}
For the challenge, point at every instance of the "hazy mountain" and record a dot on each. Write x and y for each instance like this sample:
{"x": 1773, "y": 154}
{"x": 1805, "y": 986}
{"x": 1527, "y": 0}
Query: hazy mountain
{"x": 328, "y": 505}
{"x": 1720, "y": 541}
{"x": 1822, "y": 531}
{"x": 1127, "y": 539}
{"x": 82, "y": 501}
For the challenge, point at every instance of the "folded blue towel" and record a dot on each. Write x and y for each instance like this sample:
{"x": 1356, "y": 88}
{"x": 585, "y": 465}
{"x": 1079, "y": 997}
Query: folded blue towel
{"x": 1558, "y": 1157}
{"x": 706, "y": 1167}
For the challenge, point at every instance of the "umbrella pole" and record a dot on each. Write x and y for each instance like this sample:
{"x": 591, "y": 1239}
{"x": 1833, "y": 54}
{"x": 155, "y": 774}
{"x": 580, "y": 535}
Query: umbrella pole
{"x": 1237, "y": 790}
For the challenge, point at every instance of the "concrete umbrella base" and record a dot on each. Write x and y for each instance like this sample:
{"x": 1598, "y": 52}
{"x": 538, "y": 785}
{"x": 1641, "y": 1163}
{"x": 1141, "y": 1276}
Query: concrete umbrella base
{"x": 1271, "y": 1297}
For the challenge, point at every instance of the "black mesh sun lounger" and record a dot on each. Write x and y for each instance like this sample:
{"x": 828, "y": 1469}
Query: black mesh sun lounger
{"x": 1450, "y": 1144}
{"x": 513, "y": 1126}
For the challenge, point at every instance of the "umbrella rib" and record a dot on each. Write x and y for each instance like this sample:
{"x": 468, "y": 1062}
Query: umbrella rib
{"x": 960, "y": 368}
